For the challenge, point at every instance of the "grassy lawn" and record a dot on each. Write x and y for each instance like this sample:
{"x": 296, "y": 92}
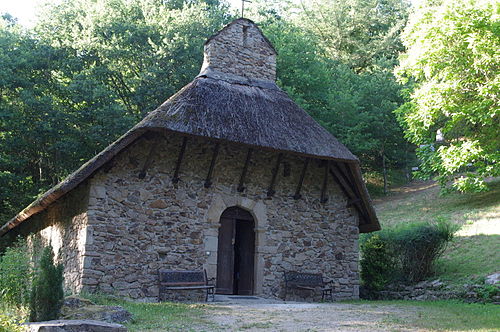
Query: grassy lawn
{"x": 441, "y": 315}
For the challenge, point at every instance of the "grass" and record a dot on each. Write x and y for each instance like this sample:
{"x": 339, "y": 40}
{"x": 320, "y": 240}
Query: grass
{"x": 441, "y": 315}
{"x": 475, "y": 251}
{"x": 428, "y": 205}
{"x": 165, "y": 316}
{"x": 470, "y": 257}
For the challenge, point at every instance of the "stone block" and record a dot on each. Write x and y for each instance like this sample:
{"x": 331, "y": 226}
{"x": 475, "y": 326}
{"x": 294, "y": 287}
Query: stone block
{"x": 74, "y": 326}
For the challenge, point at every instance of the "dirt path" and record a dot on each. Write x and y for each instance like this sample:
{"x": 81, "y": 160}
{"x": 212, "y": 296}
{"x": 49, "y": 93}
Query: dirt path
{"x": 308, "y": 317}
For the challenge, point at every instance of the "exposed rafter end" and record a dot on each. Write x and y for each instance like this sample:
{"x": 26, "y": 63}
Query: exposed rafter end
{"x": 208, "y": 181}
{"x": 147, "y": 163}
{"x": 241, "y": 188}
{"x": 175, "y": 178}
{"x": 324, "y": 196}
{"x": 271, "y": 191}
{"x": 297, "y": 194}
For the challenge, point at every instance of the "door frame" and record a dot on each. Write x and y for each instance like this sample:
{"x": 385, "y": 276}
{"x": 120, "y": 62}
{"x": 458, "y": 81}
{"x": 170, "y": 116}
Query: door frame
{"x": 219, "y": 203}
{"x": 236, "y": 215}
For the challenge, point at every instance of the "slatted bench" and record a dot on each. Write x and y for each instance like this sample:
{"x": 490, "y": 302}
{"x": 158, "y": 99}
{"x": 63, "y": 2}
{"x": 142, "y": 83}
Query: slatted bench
{"x": 308, "y": 281}
{"x": 171, "y": 280}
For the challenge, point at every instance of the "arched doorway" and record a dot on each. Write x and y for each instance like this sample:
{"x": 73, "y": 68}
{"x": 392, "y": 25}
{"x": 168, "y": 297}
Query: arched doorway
{"x": 236, "y": 252}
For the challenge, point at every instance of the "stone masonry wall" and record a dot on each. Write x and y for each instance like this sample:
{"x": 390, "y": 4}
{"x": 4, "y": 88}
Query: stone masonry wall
{"x": 64, "y": 226}
{"x": 240, "y": 49}
{"x": 137, "y": 226}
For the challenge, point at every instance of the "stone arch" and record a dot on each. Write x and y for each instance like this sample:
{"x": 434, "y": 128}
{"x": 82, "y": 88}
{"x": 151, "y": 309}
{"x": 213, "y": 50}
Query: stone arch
{"x": 210, "y": 239}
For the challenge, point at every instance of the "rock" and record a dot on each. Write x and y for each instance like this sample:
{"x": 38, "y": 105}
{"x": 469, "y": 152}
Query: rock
{"x": 158, "y": 204}
{"x": 493, "y": 279}
{"x": 436, "y": 284}
{"x": 71, "y": 302}
{"x": 110, "y": 314}
{"x": 74, "y": 326}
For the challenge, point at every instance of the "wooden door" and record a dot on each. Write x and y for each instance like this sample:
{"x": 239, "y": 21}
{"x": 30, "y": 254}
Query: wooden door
{"x": 236, "y": 251}
{"x": 225, "y": 256}
{"x": 244, "y": 249}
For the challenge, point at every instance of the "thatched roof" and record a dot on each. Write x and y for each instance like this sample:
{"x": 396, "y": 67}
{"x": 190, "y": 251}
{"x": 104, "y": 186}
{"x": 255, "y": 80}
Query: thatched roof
{"x": 248, "y": 114}
{"x": 230, "y": 108}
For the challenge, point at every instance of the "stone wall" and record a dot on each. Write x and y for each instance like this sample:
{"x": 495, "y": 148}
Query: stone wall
{"x": 241, "y": 49}
{"x": 139, "y": 225}
{"x": 64, "y": 226}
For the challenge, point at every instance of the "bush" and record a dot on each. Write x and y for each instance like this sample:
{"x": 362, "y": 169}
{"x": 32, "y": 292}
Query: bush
{"x": 47, "y": 292}
{"x": 405, "y": 253}
{"x": 9, "y": 324}
{"x": 418, "y": 245}
{"x": 15, "y": 275}
{"x": 376, "y": 262}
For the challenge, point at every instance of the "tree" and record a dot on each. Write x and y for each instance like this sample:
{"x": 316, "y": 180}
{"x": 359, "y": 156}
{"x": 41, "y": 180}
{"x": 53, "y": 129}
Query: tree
{"x": 47, "y": 293}
{"x": 356, "y": 32}
{"x": 452, "y": 59}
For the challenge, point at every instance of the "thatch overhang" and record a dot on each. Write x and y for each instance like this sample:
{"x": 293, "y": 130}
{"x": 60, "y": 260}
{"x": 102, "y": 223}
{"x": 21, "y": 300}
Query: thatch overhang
{"x": 254, "y": 114}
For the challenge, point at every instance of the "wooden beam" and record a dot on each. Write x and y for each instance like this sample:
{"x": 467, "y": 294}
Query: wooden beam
{"x": 241, "y": 188}
{"x": 208, "y": 181}
{"x": 352, "y": 202}
{"x": 147, "y": 163}
{"x": 297, "y": 194}
{"x": 324, "y": 196}
{"x": 175, "y": 179}
{"x": 270, "y": 190}
{"x": 347, "y": 189}
{"x": 355, "y": 171}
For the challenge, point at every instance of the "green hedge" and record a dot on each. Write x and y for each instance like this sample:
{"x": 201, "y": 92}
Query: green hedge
{"x": 403, "y": 253}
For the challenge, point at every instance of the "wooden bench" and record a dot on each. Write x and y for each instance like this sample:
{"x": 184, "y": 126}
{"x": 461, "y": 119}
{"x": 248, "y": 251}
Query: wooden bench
{"x": 308, "y": 281}
{"x": 171, "y": 280}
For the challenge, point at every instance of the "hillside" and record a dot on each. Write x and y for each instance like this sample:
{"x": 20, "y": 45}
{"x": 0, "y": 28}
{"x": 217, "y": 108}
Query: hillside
{"x": 475, "y": 251}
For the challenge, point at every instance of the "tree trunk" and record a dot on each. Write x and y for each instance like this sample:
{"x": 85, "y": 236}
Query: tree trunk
{"x": 385, "y": 173}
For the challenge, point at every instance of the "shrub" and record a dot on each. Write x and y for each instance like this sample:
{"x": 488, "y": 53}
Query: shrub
{"x": 418, "y": 245}
{"x": 47, "y": 291}
{"x": 406, "y": 252}
{"x": 9, "y": 324}
{"x": 376, "y": 263}
{"x": 15, "y": 275}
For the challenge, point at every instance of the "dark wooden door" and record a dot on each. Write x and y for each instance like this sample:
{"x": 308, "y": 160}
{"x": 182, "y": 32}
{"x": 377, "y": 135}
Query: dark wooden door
{"x": 236, "y": 251}
{"x": 225, "y": 256}
{"x": 244, "y": 252}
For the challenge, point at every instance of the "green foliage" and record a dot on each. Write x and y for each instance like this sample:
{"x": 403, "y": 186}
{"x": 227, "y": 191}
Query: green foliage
{"x": 376, "y": 263}
{"x": 405, "y": 252}
{"x": 47, "y": 291}
{"x": 15, "y": 275}
{"x": 418, "y": 245}
{"x": 452, "y": 61}
{"x": 9, "y": 324}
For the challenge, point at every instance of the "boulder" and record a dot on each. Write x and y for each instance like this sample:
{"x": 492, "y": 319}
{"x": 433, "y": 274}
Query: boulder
{"x": 110, "y": 314}
{"x": 493, "y": 279}
{"x": 77, "y": 308}
{"x": 74, "y": 326}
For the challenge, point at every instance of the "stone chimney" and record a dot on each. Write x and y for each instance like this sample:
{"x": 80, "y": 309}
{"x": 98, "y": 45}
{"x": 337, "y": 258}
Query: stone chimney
{"x": 240, "y": 50}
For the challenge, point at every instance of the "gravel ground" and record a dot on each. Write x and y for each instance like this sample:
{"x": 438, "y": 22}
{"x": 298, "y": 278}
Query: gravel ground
{"x": 257, "y": 315}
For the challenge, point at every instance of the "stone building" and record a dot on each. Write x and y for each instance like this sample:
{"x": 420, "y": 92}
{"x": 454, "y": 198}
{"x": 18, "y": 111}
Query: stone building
{"x": 229, "y": 175}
